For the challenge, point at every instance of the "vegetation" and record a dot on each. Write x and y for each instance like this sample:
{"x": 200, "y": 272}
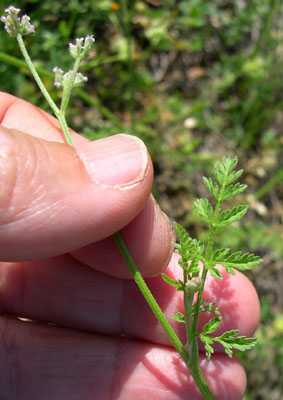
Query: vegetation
{"x": 195, "y": 80}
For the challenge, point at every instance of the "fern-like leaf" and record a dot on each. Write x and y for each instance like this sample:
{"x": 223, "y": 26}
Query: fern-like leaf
{"x": 204, "y": 209}
{"x": 211, "y": 186}
{"x": 229, "y": 216}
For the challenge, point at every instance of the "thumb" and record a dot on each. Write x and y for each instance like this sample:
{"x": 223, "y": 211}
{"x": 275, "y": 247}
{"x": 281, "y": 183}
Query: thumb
{"x": 54, "y": 199}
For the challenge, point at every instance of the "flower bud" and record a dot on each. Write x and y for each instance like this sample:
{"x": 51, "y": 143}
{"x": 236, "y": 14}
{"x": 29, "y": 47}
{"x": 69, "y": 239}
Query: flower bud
{"x": 61, "y": 78}
{"x": 15, "y": 25}
{"x": 194, "y": 284}
{"x": 59, "y": 74}
{"x": 82, "y": 47}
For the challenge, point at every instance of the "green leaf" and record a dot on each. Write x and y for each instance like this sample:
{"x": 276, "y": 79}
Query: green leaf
{"x": 186, "y": 248}
{"x": 229, "y": 163}
{"x": 232, "y": 190}
{"x": 207, "y": 341}
{"x": 218, "y": 257}
{"x": 240, "y": 261}
{"x": 189, "y": 249}
{"x": 211, "y": 326}
{"x": 219, "y": 254}
{"x": 230, "y": 341}
{"x": 229, "y": 216}
{"x": 179, "y": 317}
{"x": 205, "y": 306}
{"x": 204, "y": 209}
{"x": 183, "y": 235}
{"x": 233, "y": 176}
{"x": 223, "y": 170}
{"x": 211, "y": 185}
{"x": 214, "y": 271}
{"x": 178, "y": 284}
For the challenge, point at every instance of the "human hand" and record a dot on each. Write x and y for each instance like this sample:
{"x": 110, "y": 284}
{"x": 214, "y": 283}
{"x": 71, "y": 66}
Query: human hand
{"x": 60, "y": 267}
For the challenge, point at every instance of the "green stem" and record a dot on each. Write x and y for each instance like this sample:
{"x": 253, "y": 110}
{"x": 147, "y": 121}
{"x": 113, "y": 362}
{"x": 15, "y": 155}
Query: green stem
{"x": 198, "y": 376}
{"x": 207, "y": 259}
{"x": 197, "y": 305}
{"x": 36, "y": 76}
{"x": 193, "y": 349}
{"x": 193, "y": 367}
{"x": 69, "y": 86}
{"x": 65, "y": 129}
{"x": 149, "y": 297}
{"x": 90, "y": 100}
{"x": 59, "y": 115}
{"x": 188, "y": 305}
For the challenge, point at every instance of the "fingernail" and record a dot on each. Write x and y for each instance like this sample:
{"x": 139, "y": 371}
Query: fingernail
{"x": 116, "y": 161}
{"x": 171, "y": 238}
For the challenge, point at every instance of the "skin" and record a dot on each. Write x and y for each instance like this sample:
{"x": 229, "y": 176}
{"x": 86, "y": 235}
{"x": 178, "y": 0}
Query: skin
{"x": 61, "y": 269}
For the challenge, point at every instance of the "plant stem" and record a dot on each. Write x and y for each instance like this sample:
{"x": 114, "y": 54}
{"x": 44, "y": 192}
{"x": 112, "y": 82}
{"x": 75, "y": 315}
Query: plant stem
{"x": 193, "y": 344}
{"x": 36, "y": 76}
{"x": 65, "y": 129}
{"x": 197, "y": 305}
{"x": 188, "y": 305}
{"x": 207, "y": 259}
{"x": 192, "y": 365}
{"x": 149, "y": 297}
{"x": 90, "y": 100}
{"x": 198, "y": 376}
{"x": 59, "y": 115}
{"x": 68, "y": 88}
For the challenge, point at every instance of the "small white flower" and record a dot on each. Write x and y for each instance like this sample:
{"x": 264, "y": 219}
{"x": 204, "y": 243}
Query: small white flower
{"x": 15, "y": 25}
{"x": 59, "y": 76}
{"x": 82, "y": 47}
{"x": 62, "y": 78}
{"x": 79, "y": 79}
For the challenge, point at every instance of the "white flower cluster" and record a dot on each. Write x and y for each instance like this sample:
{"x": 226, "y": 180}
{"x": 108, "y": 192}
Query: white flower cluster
{"x": 62, "y": 78}
{"x": 15, "y": 25}
{"x": 82, "y": 47}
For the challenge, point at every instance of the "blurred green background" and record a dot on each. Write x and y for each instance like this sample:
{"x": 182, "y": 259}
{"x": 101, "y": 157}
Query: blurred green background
{"x": 195, "y": 80}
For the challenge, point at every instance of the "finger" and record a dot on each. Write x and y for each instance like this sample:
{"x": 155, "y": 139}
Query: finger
{"x": 68, "y": 293}
{"x": 48, "y": 362}
{"x": 18, "y": 113}
{"x": 50, "y": 204}
{"x": 149, "y": 239}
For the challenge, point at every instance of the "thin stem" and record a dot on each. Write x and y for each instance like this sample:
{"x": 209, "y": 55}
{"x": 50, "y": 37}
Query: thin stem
{"x": 188, "y": 305}
{"x": 60, "y": 116}
{"x": 197, "y": 305}
{"x": 207, "y": 259}
{"x": 149, "y": 297}
{"x": 199, "y": 378}
{"x": 69, "y": 86}
{"x": 194, "y": 368}
{"x": 65, "y": 129}
{"x": 90, "y": 100}
{"x": 36, "y": 76}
